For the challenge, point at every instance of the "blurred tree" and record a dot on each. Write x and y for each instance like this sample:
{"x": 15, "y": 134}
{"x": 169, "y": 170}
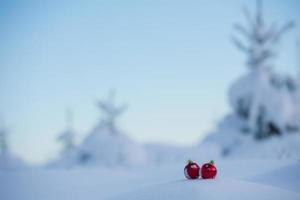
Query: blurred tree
{"x": 111, "y": 111}
{"x": 298, "y": 54}
{"x": 67, "y": 137}
{"x": 3, "y": 142}
{"x": 263, "y": 99}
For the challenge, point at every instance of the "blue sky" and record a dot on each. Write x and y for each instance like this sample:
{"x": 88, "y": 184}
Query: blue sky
{"x": 172, "y": 61}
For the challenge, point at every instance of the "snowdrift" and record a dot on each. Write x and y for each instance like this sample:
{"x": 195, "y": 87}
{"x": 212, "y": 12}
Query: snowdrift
{"x": 210, "y": 189}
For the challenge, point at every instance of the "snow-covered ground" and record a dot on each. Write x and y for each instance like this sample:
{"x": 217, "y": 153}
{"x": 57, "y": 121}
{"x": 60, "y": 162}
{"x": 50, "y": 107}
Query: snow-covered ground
{"x": 250, "y": 179}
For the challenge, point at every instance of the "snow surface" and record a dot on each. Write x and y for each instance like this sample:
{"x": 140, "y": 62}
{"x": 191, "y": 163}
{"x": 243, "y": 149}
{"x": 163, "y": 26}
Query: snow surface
{"x": 210, "y": 189}
{"x": 251, "y": 179}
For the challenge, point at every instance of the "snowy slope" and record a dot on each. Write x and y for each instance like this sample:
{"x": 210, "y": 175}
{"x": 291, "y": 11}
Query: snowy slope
{"x": 287, "y": 177}
{"x": 210, "y": 189}
{"x": 280, "y": 183}
{"x": 255, "y": 179}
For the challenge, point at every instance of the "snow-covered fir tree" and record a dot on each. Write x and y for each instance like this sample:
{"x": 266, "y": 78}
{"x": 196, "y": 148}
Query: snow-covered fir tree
{"x": 106, "y": 144}
{"x": 67, "y": 137}
{"x": 3, "y": 142}
{"x": 262, "y": 97}
{"x": 8, "y": 161}
{"x": 111, "y": 112}
{"x": 264, "y": 103}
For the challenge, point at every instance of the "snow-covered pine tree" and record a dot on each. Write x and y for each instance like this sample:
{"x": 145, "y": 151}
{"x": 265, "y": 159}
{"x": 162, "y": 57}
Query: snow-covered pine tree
{"x": 111, "y": 111}
{"x": 8, "y": 161}
{"x": 106, "y": 144}
{"x": 107, "y": 126}
{"x": 69, "y": 152}
{"x": 298, "y": 56}
{"x": 297, "y": 83}
{"x": 264, "y": 103}
{"x": 67, "y": 137}
{"x": 251, "y": 97}
{"x": 3, "y": 141}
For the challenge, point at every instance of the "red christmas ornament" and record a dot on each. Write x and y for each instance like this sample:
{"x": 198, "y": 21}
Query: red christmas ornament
{"x": 208, "y": 170}
{"x": 191, "y": 170}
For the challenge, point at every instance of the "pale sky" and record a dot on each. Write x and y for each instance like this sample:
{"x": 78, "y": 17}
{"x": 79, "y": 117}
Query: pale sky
{"x": 172, "y": 61}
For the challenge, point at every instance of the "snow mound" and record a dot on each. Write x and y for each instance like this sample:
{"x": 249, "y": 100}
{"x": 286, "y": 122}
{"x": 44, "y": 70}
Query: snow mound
{"x": 102, "y": 147}
{"x": 209, "y": 189}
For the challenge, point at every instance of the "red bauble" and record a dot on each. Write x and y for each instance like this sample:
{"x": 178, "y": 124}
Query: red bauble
{"x": 208, "y": 170}
{"x": 191, "y": 170}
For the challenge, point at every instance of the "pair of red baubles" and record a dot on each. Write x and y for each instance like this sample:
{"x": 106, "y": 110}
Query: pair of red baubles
{"x": 193, "y": 171}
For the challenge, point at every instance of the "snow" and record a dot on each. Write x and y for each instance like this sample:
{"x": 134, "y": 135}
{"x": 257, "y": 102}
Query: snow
{"x": 210, "y": 189}
{"x": 282, "y": 147}
{"x": 281, "y": 177}
{"x": 257, "y": 92}
{"x": 254, "y": 179}
{"x": 234, "y": 144}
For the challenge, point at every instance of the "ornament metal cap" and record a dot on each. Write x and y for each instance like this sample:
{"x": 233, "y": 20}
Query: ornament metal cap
{"x": 189, "y": 161}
